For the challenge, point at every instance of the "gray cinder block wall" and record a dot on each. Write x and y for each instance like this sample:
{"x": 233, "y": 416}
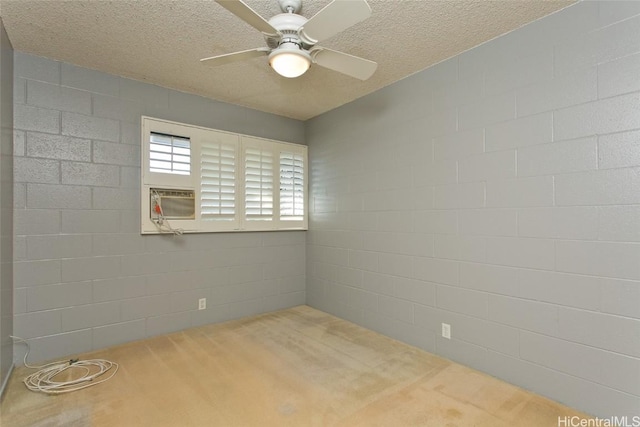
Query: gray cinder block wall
{"x": 6, "y": 207}
{"x": 498, "y": 192}
{"x": 84, "y": 276}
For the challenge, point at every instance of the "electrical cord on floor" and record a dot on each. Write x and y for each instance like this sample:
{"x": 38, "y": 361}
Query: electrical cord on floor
{"x": 44, "y": 380}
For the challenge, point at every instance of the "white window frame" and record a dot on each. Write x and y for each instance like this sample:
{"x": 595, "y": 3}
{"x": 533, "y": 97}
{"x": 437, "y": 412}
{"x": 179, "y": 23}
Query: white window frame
{"x": 199, "y": 136}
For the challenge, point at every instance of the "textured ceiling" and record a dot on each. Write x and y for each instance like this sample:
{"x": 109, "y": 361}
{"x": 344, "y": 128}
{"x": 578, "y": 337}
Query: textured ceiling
{"x": 161, "y": 42}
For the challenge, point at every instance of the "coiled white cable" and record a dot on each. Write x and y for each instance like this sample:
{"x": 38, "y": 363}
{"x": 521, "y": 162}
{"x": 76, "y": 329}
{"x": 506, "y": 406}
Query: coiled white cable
{"x": 44, "y": 380}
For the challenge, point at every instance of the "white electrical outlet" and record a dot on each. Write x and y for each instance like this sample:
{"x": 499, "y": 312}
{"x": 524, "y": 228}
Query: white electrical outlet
{"x": 202, "y": 303}
{"x": 446, "y": 331}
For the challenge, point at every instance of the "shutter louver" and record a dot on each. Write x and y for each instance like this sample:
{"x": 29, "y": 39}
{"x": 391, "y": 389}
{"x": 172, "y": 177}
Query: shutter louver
{"x": 218, "y": 181}
{"x": 258, "y": 180}
{"x": 291, "y": 186}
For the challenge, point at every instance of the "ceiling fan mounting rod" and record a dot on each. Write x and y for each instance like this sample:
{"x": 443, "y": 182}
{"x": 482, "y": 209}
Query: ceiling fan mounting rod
{"x": 290, "y": 6}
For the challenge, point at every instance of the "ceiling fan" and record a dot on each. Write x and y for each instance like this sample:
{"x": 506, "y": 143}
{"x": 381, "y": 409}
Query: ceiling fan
{"x": 291, "y": 38}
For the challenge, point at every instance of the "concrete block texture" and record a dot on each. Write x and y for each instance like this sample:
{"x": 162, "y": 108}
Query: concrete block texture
{"x": 26, "y": 117}
{"x": 59, "y": 147}
{"x": 619, "y": 150}
{"x": 84, "y": 276}
{"x": 56, "y": 97}
{"x": 82, "y": 126}
{"x": 528, "y": 205}
{"x": 53, "y": 196}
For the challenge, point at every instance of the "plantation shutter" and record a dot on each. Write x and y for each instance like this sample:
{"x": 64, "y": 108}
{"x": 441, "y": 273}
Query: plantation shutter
{"x": 218, "y": 180}
{"x": 258, "y": 182}
{"x": 291, "y": 186}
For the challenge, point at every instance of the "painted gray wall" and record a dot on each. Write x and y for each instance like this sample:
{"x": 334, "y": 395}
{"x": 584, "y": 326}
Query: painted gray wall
{"x": 6, "y": 206}
{"x": 499, "y": 192}
{"x": 84, "y": 276}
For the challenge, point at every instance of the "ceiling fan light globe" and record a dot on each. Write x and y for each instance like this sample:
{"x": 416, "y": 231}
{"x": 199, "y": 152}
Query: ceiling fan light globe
{"x": 290, "y": 63}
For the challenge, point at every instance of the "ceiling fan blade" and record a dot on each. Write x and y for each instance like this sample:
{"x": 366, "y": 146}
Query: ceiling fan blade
{"x": 334, "y": 18}
{"x": 228, "y": 58}
{"x": 248, "y": 15}
{"x": 344, "y": 63}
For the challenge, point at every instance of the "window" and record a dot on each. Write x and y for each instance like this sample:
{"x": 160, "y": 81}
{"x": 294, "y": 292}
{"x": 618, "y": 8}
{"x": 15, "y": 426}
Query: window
{"x": 169, "y": 154}
{"x": 239, "y": 182}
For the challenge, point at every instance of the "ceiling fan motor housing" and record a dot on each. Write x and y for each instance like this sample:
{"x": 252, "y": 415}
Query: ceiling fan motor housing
{"x": 288, "y": 25}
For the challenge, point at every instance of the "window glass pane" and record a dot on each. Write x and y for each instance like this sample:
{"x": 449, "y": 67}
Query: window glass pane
{"x": 169, "y": 154}
{"x": 159, "y": 148}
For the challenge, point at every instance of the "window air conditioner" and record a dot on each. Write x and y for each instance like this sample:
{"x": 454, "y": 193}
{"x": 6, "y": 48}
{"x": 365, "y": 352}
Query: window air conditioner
{"x": 172, "y": 204}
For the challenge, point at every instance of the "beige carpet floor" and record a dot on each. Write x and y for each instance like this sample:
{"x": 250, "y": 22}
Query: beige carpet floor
{"x": 296, "y": 367}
